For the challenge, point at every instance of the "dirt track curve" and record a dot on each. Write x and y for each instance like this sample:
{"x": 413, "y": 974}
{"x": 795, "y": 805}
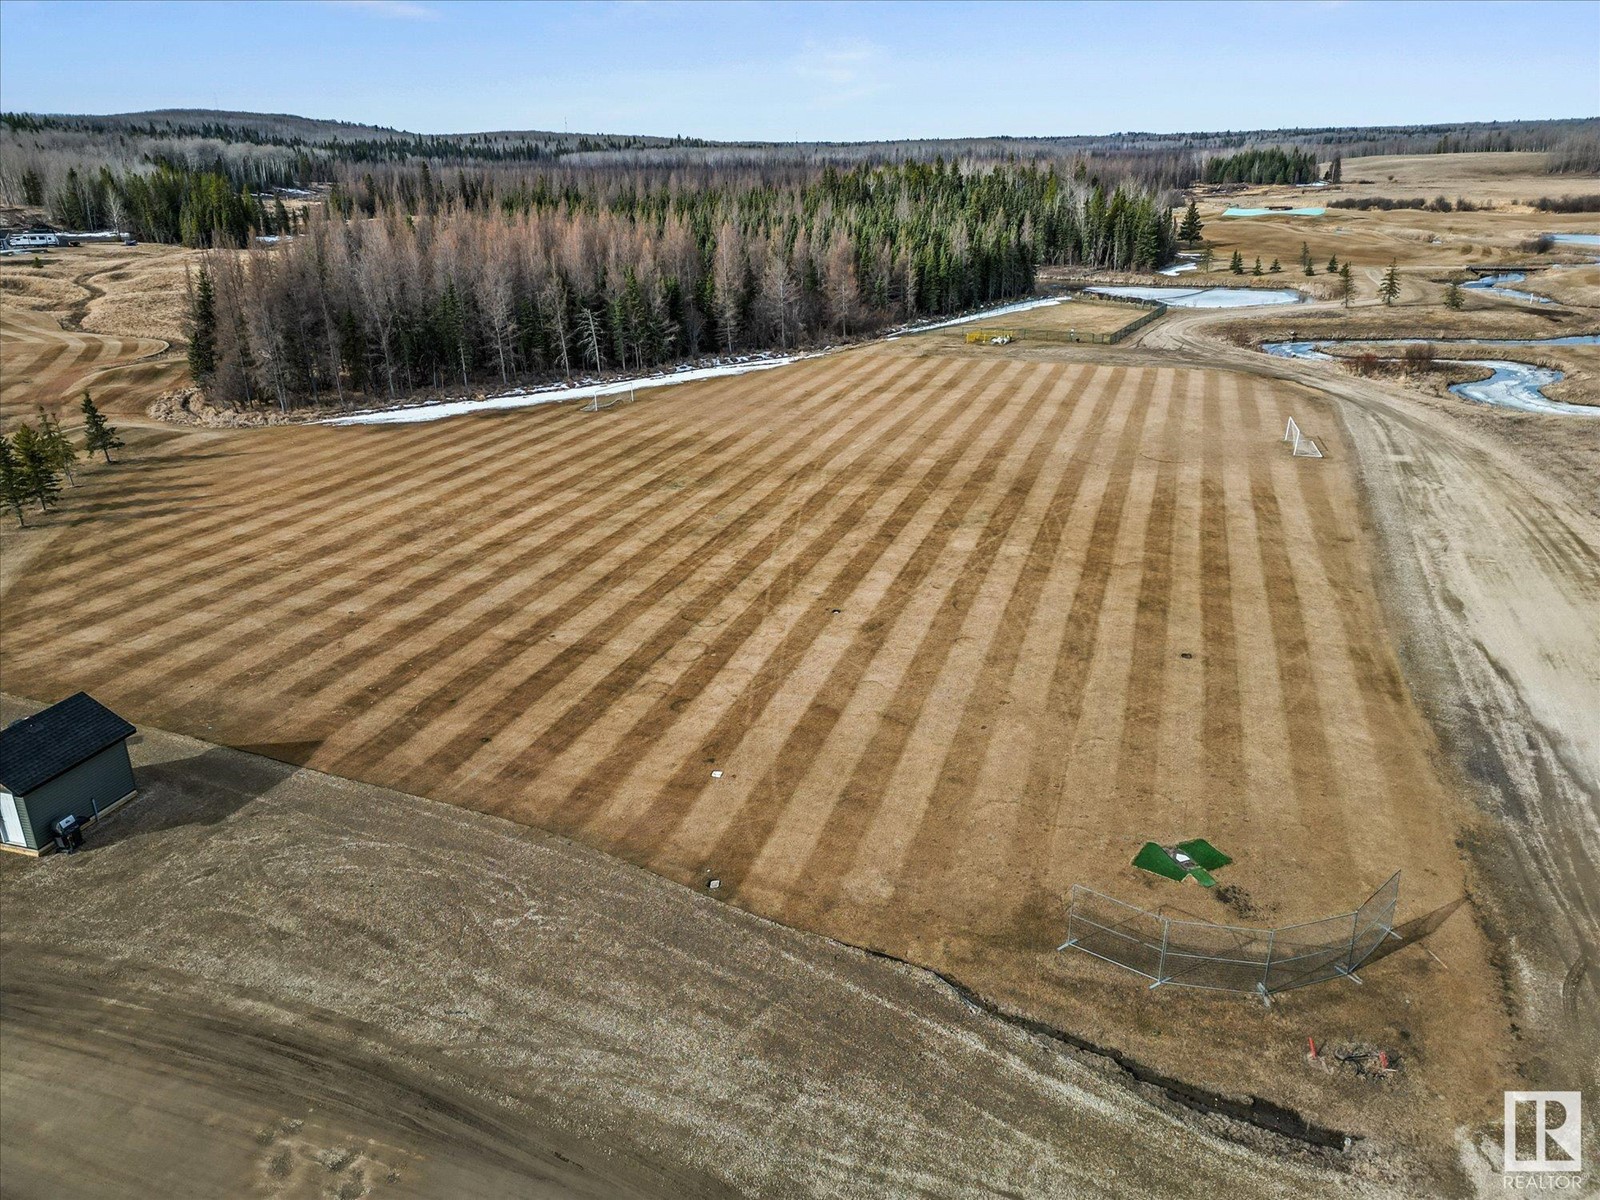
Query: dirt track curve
{"x": 1497, "y": 571}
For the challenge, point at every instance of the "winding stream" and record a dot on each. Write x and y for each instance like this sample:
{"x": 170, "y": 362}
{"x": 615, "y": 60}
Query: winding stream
{"x": 1491, "y": 285}
{"x": 1514, "y": 385}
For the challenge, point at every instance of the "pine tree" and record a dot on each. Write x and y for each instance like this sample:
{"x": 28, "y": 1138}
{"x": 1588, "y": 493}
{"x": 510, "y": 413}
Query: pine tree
{"x": 1389, "y": 289}
{"x": 1453, "y": 299}
{"x": 1236, "y": 263}
{"x": 1347, "y": 287}
{"x": 98, "y": 433}
{"x": 1275, "y": 268}
{"x": 36, "y": 468}
{"x": 203, "y": 330}
{"x": 12, "y": 491}
{"x": 61, "y": 451}
{"x": 1189, "y": 231}
{"x": 1258, "y": 270}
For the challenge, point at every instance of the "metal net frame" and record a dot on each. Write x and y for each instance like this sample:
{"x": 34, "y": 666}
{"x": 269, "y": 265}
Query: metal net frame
{"x": 1230, "y": 958}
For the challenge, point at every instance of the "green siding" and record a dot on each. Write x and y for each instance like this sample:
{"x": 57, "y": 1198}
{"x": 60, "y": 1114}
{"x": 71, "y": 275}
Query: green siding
{"x": 94, "y": 784}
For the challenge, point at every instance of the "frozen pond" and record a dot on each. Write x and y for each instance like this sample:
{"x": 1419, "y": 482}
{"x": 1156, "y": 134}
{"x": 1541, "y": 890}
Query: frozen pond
{"x": 1513, "y": 385}
{"x": 1575, "y": 239}
{"x": 1520, "y": 386}
{"x": 1219, "y": 297}
{"x": 1274, "y": 212}
{"x": 1179, "y": 268}
{"x": 1490, "y": 284}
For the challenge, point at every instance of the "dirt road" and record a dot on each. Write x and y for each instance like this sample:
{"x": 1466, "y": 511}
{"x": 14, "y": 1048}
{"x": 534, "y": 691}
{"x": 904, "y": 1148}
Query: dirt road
{"x": 1494, "y": 566}
{"x": 897, "y": 644}
{"x": 320, "y": 988}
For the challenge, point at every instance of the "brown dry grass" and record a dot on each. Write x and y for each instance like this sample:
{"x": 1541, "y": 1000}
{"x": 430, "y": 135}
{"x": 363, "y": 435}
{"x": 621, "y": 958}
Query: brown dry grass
{"x": 95, "y": 317}
{"x": 1371, "y": 239}
{"x": 927, "y": 613}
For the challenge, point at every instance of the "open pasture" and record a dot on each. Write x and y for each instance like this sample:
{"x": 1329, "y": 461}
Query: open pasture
{"x": 895, "y": 644}
{"x": 69, "y": 324}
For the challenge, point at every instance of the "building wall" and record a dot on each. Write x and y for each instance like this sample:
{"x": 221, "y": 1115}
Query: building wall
{"x": 93, "y": 784}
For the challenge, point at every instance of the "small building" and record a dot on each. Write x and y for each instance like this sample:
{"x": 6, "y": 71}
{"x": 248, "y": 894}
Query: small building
{"x": 71, "y": 759}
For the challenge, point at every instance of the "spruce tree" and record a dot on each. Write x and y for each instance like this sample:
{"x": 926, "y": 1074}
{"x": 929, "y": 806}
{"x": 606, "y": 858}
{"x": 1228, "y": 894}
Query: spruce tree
{"x": 1236, "y": 263}
{"x": 1258, "y": 270}
{"x": 1305, "y": 257}
{"x": 98, "y": 433}
{"x": 1310, "y": 269}
{"x": 36, "y": 467}
{"x": 1389, "y": 289}
{"x": 203, "y": 330}
{"x": 61, "y": 451}
{"x": 1205, "y": 261}
{"x": 1333, "y": 264}
{"x": 1347, "y": 286}
{"x": 1453, "y": 299}
{"x": 12, "y": 491}
{"x": 1189, "y": 231}
{"x": 1274, "y": 268}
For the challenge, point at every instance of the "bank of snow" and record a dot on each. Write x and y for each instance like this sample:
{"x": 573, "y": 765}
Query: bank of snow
{"x": 558, "y": 394}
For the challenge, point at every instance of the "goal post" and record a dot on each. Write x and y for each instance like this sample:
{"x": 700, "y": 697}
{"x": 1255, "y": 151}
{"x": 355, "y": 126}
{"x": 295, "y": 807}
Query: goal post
{"x": 1300, "y": 446}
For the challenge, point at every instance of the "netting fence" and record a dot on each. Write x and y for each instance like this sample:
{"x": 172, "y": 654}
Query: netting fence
{"x": 1230, "y": 958}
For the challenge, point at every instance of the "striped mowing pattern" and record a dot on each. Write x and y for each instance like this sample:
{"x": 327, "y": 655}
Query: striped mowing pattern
{"x": 1078, "y": 605}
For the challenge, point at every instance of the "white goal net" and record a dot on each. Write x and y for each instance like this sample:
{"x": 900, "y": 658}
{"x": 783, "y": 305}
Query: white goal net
{"x": 600, "y": 404}
{"x": 1300, "y": 446}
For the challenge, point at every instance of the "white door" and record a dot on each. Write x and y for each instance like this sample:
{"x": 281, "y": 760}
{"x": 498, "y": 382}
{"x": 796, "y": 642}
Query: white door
{"x": 10, "y": 822}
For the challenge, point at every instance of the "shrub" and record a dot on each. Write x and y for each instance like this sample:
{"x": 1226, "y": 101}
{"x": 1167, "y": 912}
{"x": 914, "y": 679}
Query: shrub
{"x": 1417, "y": 357}
{"x": 1567, "y": 204}
{"x": 1365, "y": 363}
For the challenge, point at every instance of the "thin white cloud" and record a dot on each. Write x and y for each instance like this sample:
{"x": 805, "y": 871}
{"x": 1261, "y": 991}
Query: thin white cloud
{"x": 394, "y": 10}
{"x": 840, "y": 71}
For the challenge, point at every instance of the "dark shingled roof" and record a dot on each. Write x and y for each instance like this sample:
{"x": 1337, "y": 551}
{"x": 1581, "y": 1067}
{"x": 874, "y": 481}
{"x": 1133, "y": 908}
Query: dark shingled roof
{"x": 36, "y": 749}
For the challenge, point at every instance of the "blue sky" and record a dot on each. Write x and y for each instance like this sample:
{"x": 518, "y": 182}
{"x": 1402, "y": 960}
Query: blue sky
{"x": 812, "y": 71}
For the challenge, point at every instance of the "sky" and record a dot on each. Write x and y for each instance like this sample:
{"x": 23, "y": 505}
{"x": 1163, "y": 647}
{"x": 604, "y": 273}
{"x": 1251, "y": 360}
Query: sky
{"x": 815, "y": 71}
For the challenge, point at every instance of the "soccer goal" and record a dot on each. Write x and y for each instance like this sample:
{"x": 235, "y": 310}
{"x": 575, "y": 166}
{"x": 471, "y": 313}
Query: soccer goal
{"x": 616, "y": 398}
{"x": 1300, "y": 446}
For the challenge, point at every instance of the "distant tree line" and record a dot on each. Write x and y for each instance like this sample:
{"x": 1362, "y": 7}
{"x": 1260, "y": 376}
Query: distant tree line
{"x": 491, "y": 279}
{"x": 174, "y": 203}
{"x": 1265, "y": 165}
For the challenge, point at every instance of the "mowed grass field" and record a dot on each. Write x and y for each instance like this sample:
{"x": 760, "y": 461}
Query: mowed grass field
{"x": 51, "y": 366}
{"x": 956, "y": 631}
{"x": 64, "y": 327}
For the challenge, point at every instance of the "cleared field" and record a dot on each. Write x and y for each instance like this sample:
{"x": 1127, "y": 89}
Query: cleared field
{"x": 956, "y": 633}
{"x": 1369, "y": 240}
{"x": 51, "y": 366}
{"x": 1081, "y": 316}
{"x": 506, "y": 1014}
{"x": 65, "y": 326}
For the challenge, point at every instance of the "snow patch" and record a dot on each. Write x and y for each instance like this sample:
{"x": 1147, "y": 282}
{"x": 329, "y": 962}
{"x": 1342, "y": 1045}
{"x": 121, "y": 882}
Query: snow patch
{"x": 527, "y": 398}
